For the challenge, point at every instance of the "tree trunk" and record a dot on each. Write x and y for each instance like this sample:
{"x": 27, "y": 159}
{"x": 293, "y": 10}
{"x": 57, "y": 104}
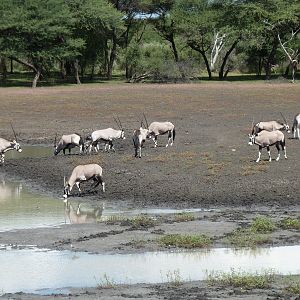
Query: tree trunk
{"x": 36, "y": 77}
{"x": 76, "y": 67}
{"x": 63, "y": 70}
{"x": 271, "y": 59}
{"x": 202, "y": 52}
{"x": 287, "y": 70}
{"x": 3, "y": 68}
{"x": 11, "y": 66}
{"x": 221, "y": 72}
{"x": 113, "y": 54}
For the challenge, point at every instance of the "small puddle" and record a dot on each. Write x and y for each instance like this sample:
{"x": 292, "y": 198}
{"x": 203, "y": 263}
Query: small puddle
{"x": 21, "y": 209}
{"x": 42, "y": 271}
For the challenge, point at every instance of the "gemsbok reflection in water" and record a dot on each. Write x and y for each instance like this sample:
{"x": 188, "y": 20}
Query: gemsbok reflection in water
{"x": 8, "y": 192}
{"x": 82, "y": 214}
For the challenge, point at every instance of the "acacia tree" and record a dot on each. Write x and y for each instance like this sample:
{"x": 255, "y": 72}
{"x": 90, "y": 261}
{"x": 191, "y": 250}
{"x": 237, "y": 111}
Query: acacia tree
{"x": 37, "y": 33}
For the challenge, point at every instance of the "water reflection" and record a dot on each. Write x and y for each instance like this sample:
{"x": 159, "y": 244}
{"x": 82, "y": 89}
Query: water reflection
{"x": 81, "y": 213}
{"x": 8, "y": 192}
{"x": 28, "y": 270}
{"x": 30, "y": 151}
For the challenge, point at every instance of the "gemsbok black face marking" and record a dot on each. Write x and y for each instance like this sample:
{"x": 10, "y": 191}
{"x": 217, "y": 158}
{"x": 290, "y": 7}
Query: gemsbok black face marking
{"x": 84, "y": 173}
{"x": 139, "y": 137}
{"x": 266, "y": 139}
{"x": 68, "y": 142}
{"x": 6, "y": 145}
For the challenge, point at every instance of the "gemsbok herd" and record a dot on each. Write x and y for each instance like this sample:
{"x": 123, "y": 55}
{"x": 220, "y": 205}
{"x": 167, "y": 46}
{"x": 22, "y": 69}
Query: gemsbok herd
{"x": 263, "y": 134}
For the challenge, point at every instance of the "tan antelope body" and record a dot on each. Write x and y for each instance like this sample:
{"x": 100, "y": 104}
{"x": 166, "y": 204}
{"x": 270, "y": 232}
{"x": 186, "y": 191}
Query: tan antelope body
{"x": 107, "y": 136}
{"x": 84, "y": 173}
{"x": 270, "y": 126}
{"x": 296, "y": 125}
{"x": 139, "y": 137}
{"x": 6, "y": 145}
{"x": 68, "y": 142}
{"x": 265, "y": 139}
{"x": 159, "y": 128}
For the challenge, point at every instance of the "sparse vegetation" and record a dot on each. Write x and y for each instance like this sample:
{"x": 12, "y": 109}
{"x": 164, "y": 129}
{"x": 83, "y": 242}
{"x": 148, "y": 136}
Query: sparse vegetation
{"x": 290, "y": 223}
{"x": 263, "y": 225}
{"x": 293, "y": 286}
{"x": 184, "y": 217}
{"x": 186, "y": 241}
{"x": 174, "y": 278}
{"x": 255, "y": 168}
{"x": 213, "y": 167}
{"x": 247, "y": 238}
{"x": 242, "y": 279}
{"x": 142, "y": 221}
{"x": 106, "y": 282}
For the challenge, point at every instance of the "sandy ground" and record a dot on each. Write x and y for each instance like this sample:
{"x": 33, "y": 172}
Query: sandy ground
{"x": 209, "y": 166}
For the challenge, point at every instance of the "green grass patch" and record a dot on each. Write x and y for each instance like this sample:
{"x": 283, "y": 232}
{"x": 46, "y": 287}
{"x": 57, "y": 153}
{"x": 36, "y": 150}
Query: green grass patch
{"x": 293, "y": 287}
{"x": 186, "y": 241}
{"x": 263, "y": 225}
{"x": 290, "y": 223}
{"x": 184, "y": 217}
{"x": 143, "y": 221}
{"x": 247, "y": 238}
{"x": 242, "y": 279}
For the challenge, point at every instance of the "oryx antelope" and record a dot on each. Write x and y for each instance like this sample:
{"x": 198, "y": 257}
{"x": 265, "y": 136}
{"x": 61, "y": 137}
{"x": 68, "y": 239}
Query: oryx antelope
{"x": 68, "y": 142}
{"x": 271, "y": 126}
{"x": 139, "y": 138}
{"x": 159, "y": 128}
{"x": 266, "y": 139}
{"x": 84, "y": 173}
{"x": 107, "y": 136}
{"x": 296, "y": 126}
{"x": 6, "y": 145}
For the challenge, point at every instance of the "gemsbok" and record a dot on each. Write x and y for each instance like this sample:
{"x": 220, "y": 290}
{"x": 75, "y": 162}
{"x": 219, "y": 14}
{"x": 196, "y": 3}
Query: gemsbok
{"x": 6, "y": 145}
{"x": 139, "y": 137}
{"x": 296, "y": 125}
{"x": 83, "y": 173}
{"x": 68, "y": 142}
{"x": 266, "y": 139}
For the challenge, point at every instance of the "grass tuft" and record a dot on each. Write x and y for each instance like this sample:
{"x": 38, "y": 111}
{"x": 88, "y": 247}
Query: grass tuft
{"x": 106, "y": 282}
{"x": 242, "y": 279}
{"x": 143, "y": 221}
{"x": 184, "y": 217}
{"x": 247, "y": 238}
{"x": 290, "y": 223}
{"x": 186, "y": 241}
{"x": 255, "y": 168}
{"x": 263, "y": 225}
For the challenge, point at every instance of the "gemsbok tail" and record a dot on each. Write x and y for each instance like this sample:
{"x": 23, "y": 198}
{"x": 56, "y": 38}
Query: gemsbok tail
{"x": 174, "y": 134}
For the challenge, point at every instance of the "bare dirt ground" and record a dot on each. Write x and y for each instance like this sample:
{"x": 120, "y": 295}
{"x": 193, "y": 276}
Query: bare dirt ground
{"x": 209, "y": 166}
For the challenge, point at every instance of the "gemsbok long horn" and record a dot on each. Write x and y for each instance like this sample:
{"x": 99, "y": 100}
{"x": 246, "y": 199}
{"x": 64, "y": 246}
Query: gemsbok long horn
{"x": 120, "y": 123}
{"x": 146, "y": 120}
{"x": 55, "y": 140}
{"x": 64, "y": 180}
{"x": 13, "y": 130}
{"x": 117, "y": 123}
{"x": 283, "y": 118}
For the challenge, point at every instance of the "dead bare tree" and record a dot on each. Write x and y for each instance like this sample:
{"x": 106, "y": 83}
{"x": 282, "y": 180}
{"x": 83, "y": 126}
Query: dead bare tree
{"x": 291, "y": 53}
{"x": 217, "y": 47}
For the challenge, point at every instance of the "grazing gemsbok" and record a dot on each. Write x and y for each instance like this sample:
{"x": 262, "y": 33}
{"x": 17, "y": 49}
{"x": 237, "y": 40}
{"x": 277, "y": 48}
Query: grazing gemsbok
{"x": 296, "y": 126}
{"x": 84, "y": 173}
{"x": 139, "y": 137}
{"x": 266, "y": 139}
{"x": 271, "y": 126}
{"x": 6, "y": 145}
{"x": 159, "y": 128}
{"x": 68, "y": 142}
{"x": 107, "y": 136}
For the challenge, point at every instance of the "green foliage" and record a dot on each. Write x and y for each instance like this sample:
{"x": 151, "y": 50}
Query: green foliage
{"x": 263, "y": 225}
{"x": 186, "y": 241}
{"x": 293, "y": 285}
{"x": 242, "y": 279}
{"x": 247, "y": 238}
{"x": 290, "y": 223}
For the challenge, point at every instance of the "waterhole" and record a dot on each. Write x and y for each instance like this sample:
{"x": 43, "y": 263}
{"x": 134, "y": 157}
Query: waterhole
{"x": 42, "y": 272}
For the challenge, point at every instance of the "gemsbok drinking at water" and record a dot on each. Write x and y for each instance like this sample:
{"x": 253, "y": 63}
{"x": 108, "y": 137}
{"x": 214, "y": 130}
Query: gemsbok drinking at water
{"x": 83, "y": 173}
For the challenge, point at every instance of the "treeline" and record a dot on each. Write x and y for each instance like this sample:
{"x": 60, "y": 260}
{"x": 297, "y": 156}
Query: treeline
{"x": 163, "y": 40}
